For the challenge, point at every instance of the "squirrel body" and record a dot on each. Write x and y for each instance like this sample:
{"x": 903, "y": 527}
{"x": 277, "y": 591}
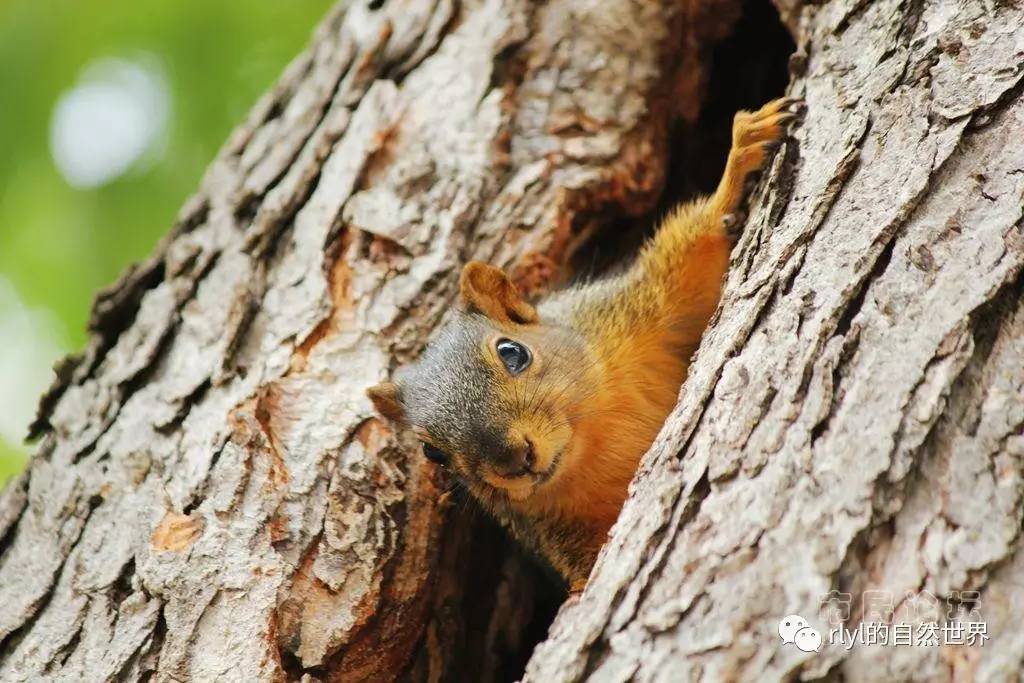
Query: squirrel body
{"x": 544, "y": 413}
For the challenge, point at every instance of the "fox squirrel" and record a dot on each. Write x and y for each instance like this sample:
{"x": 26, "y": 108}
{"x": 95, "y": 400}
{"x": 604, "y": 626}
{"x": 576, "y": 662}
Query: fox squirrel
{"x": 543, "y": 413}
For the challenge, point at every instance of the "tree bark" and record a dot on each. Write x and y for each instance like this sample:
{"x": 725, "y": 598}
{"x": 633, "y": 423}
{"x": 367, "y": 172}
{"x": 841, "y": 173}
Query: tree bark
{"x": 854, "y": 417}
{"x": 213, "y": 497}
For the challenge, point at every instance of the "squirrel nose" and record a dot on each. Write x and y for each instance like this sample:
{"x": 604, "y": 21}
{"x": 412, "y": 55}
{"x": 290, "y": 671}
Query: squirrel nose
{"x": 518, "y": 460}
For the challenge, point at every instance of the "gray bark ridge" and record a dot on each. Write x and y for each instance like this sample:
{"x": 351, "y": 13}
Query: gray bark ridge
{"x": 853, "y": 420}
{"x": 213, "y": 498}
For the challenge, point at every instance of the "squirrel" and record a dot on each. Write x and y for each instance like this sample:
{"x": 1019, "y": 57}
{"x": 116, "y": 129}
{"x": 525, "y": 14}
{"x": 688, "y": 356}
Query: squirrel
{"x": 543, "y": 412}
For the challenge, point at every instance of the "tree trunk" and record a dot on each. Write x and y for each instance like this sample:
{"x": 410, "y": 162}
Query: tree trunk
{"x": 213, "y": 497}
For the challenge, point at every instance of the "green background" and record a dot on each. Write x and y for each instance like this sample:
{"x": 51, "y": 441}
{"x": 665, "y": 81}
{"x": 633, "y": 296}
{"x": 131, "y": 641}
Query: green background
{"x": 58, "y": 244}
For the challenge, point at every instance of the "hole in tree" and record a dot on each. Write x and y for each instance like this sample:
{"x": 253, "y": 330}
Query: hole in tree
{"x": 748, "y": 68}
{"x": 507, "y": 601}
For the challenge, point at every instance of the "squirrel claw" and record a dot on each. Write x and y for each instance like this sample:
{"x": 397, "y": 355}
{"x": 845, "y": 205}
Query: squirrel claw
{"x": 733, "y": 222}
{"x": 792, "y": 103}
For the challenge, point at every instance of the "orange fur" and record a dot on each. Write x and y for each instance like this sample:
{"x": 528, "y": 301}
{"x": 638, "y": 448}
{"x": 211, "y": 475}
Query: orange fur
{"x": 645, "y": 347}
{"x": 608, "y": 359}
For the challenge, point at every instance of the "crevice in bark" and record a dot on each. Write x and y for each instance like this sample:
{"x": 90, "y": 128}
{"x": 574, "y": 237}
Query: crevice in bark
{"x": 115, "y": 307}
{"x": 9, "y": 641}
{"x": 294, "y": 670}
{"x": 269, "y": 220}
{"x": 64, "y": 371}
{"x": 154, "y": 644}
{"x": 855, "y": 305}
{"x": 249, "y": 199}
{"x": 784, "y": 182}
{"x": 13, "y": 500}
{"x": 686, "y": 513}
{"x": 122, "y": 586}
{"x": 114, "y": 310}
{"x": 61, "y": 657}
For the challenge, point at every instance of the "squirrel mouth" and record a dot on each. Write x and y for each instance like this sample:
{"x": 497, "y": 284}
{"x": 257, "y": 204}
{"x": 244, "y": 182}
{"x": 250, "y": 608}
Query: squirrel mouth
{"x": 517, "y": 480}
{"x": 543, "y": 477}
{"x": 519, "y": 489}
{"x": 521, "y": 485}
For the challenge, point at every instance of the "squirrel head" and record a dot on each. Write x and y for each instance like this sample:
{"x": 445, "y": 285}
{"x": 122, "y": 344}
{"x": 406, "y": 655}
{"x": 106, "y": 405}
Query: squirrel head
{"x": 494, "y": 398}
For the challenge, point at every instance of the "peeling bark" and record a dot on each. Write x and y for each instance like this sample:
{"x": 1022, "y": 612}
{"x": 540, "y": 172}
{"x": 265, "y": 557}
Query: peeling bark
{"x": 213, "y": 497}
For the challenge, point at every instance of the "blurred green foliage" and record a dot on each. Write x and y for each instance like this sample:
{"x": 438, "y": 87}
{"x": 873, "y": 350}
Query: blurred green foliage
{"x": 59, "y": 244}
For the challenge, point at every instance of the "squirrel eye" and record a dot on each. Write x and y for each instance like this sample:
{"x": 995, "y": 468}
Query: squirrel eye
{"x": 514, "y": 355}
{"x": 435, "y": 454}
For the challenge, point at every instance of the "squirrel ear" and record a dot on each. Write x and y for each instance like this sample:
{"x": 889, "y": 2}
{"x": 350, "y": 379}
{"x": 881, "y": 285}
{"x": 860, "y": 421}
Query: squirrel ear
{"x": 488, "y": 290}
{"x": 387, "y": 399}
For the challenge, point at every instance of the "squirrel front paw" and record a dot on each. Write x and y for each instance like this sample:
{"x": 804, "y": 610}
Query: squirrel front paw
{"x": 755, "y": 137}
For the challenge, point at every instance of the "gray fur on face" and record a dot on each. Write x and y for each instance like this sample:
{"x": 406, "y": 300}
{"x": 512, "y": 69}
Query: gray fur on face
{"x": 452, "y": 392}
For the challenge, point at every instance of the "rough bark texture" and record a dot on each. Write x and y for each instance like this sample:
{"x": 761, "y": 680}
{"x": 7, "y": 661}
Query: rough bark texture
{"x": 214, "y": 499}
{"x": 854, "y": 417}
